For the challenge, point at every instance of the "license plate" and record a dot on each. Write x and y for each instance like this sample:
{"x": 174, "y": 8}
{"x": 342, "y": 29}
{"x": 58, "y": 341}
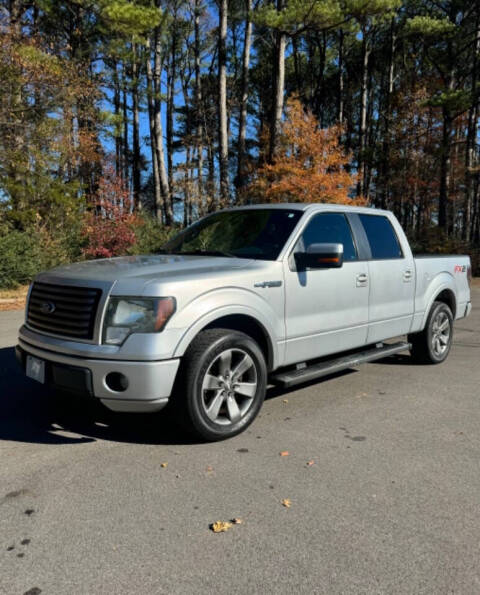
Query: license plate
{"x": 35, "y": 369}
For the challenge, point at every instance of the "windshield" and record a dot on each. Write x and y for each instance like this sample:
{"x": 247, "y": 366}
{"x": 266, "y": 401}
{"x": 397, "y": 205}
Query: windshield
{"x": 249, "y": 233}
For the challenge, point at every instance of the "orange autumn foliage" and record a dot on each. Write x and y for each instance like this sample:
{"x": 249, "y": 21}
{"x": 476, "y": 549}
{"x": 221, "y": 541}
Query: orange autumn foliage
{"x": 310, "y": 165}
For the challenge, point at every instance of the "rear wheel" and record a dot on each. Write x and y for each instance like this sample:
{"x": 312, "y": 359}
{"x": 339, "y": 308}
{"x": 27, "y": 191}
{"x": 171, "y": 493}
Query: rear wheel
{"x": 222, "y": 384}
{"x": 432, "y": 345}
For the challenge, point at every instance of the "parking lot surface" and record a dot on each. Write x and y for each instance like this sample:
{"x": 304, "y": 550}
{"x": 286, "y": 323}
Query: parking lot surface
{"x": 382, "y": 474}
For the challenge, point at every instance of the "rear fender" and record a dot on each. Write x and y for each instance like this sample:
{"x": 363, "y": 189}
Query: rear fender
{"x": 443, "y": 281}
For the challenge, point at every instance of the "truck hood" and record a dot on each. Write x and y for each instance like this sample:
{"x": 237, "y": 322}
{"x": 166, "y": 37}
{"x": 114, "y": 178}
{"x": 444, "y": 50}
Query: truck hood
{"x": 156, "y": 267}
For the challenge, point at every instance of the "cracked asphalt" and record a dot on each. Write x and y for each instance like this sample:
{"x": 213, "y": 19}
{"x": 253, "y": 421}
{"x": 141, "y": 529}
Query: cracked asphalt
{"x": 390, "y": 503}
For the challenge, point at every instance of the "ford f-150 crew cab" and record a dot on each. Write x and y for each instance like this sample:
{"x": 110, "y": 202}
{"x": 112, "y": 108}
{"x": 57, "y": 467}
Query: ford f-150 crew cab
{"x": 245, "y": 296}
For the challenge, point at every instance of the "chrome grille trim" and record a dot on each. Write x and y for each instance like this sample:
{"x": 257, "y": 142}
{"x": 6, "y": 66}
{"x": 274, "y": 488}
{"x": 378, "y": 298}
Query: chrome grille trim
{"x": 74, "y": 314}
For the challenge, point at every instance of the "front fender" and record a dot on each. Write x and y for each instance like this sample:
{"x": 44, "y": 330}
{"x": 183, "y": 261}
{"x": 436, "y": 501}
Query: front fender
{"x": 215, "y": 304}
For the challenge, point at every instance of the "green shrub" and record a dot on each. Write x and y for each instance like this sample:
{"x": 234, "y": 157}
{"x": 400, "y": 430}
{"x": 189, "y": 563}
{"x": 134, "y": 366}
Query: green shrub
{"x": 23, "y": 254}
{"x": 150, "y": 235}
{"x": 20, "y": 257}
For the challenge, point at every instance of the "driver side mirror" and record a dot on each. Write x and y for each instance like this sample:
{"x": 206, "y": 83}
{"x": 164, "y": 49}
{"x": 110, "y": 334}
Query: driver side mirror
{"x": 320, "y": 256}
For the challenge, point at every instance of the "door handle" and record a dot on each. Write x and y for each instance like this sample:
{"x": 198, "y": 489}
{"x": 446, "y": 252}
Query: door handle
{"x": 407, "y": 276}
{"x": 362, "y": 279}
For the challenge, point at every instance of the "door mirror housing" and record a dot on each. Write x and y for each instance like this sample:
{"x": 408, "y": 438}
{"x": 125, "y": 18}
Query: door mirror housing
{"x": 320, "y": 256}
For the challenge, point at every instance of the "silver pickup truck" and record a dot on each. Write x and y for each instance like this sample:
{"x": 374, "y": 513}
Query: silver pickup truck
{"x": 246, "y": 296}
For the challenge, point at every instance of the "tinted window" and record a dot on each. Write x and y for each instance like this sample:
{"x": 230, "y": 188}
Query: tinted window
{"x": 246, "y": 233}
{"x": 381, "y": 236}
{"x": 329, "y": 228}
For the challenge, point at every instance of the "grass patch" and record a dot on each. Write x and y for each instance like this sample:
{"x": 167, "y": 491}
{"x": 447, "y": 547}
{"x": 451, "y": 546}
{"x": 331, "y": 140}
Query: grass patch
{"x": 13, "y": 299}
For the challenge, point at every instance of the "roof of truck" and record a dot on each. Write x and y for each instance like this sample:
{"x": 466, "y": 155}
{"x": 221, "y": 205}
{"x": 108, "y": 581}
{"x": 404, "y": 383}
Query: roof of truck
{"x": 301, "y": 206}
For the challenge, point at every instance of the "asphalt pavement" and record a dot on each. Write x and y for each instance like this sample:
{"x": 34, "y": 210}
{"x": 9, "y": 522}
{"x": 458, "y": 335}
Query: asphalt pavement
{"x": 382, "y": 474}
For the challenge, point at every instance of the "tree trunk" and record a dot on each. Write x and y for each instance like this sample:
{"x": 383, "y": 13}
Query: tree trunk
{"x": 475, "y": 227}
{"x": 385, "y": 173}
{"x": 371, "y": 135}
{"x": 165, "y": 186}
{"x": 17, "y": 166}
{"x": 198, "y": 102}
{"x": 222, "y": 101}
{"x": 363, "y": 115}
{"x": 296, "y": 66}
{"x": 471, "y": 142}
{"x": 341, "y": 80}
{"x": 211, "y": 170}
{"x": 318, "y": 103}
{"x": 126, "y": 149}
{"x": 444, "y": 170}
{"x": 190, "y": 199}
{"x": 116, "y": 107}
{"x": 445, "y": 149}
{"x": 187, "y": 201}
{"x": 242, "y": 125}
{"x": 157, "y": 191}
{"x": 136, "y": 179}
{"x": 277, "y": 111}
{"x": 171, "y": 77}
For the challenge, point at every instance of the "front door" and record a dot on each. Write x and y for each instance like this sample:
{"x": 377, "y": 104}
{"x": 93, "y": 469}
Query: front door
{"x": 326, "y": 310}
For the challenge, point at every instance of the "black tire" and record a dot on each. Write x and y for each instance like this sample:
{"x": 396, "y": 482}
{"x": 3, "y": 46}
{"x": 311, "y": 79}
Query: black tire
{"x": 194, "y": 402}
{"x": 428, "y": 347}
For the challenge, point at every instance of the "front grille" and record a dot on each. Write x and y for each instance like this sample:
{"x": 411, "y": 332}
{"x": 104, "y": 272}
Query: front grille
{"x": 63, "y": 310}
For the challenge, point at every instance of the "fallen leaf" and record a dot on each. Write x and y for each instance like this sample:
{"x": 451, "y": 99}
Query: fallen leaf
{"x": 310, "y": 463}
{"x": 220, "y": 526}
{"x": 164, "y": 465}
{"x": 237, "y": 521}
{"x": 287, "y": 502}
{"x": 284, "y": 453}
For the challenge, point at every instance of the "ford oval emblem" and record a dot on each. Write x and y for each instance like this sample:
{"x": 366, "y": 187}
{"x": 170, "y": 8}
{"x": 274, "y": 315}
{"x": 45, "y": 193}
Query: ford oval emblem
{"x": 47, "y": 308}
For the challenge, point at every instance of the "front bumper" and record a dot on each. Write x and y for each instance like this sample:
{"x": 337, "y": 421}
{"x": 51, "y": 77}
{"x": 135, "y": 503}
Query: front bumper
{"x": 150, "y": 384}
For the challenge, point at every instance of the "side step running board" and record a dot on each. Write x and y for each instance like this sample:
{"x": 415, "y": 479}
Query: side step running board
{"x": 292, "y": 377}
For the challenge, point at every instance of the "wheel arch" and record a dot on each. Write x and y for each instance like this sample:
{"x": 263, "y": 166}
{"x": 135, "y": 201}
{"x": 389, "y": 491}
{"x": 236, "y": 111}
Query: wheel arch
{"x": 447, "y": 296}
{"x": 247, "y": 322}
{"x": 444, "y": 294}
{"x": 251, "y": 327}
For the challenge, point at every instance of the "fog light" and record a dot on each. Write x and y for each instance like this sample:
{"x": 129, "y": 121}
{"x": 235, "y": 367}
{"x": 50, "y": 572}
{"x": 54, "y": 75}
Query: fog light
{"x": 116, "y": 382}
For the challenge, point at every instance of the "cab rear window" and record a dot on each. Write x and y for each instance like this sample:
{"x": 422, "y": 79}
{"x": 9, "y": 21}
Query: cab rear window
{"x": 381, "y": 236}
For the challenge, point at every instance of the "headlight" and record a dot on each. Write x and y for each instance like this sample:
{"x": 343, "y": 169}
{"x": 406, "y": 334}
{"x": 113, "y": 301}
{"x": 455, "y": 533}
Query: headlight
{"x": 127, "y": 315}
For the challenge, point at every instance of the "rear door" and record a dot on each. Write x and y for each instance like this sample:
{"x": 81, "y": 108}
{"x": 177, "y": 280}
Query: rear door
{"x": 391, "y": 276}
{"x": 326, "y": 310}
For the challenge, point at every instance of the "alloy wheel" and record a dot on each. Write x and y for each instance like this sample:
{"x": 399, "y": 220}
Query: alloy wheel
{"x": 229, "y": 386}
{"x": 441, "y": 331}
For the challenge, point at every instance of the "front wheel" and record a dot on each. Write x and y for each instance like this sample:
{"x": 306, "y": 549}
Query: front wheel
{"x": 222, "y": 384}
{"x": 432, "y": 345}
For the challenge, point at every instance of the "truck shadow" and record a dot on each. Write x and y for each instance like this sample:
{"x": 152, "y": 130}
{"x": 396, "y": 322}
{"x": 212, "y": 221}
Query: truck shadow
{"x": 399, "y": 359}
{"x": 32, "y": 413}
{"x": 279, "y": 391}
